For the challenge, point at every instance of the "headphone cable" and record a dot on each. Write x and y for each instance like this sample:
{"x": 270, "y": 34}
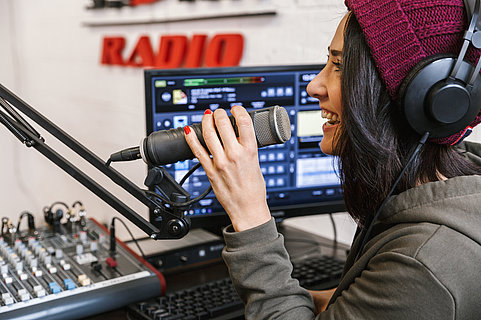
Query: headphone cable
{"x": 367, "y": 232}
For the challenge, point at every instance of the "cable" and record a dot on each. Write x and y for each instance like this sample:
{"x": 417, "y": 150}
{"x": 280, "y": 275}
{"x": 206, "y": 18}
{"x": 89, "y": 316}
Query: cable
{"x": 189, "y": 173}
{"x": 31, "y": 223}
{"x": 313, "y": 242}
{"x": 112, "y": 227}
{"x": 304, "y": 254}
{"x": 5, "y": 221}
{"x": 77, "y": 203}
{"x": 367, "y": 231}
{"x": 179, "y": 204}
{"x": 171, "y": 203}
{"x": 334, "y": 230}
{"x": 182, "y": 204}
{"x": 60, "y": 203}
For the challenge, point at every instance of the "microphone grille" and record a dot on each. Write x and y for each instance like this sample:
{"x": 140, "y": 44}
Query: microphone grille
{"x": 272, "y": 126}
{"x": 283, "y": 124}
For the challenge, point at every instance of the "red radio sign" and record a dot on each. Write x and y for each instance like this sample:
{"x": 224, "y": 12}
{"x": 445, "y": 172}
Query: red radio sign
{"x": 176, "y": 51}
{"x": 141, "y": 2}
{"x": 101, "y": 4}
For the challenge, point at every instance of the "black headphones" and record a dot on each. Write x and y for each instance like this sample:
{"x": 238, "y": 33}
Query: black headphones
{"x": 442, "y": 94}
{"x": 440, "y": 97}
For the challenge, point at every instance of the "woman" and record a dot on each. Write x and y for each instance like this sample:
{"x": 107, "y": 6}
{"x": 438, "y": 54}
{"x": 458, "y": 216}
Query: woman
{"x": 423, "y": 257}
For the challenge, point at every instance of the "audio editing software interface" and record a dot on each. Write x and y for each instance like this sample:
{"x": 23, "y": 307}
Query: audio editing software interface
{"x": 295, "y": 173}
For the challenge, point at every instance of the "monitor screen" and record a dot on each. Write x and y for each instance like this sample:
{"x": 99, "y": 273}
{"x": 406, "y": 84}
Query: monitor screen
{"x": 300, "y": 179}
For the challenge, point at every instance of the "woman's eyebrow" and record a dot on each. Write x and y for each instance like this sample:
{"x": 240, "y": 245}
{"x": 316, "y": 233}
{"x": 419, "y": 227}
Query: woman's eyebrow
{"x": 333, "y": 52}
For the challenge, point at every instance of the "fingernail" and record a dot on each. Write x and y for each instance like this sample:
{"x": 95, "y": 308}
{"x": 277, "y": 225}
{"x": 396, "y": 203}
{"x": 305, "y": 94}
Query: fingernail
{"x": 207, "y": 111}
{"x": 187, "y": 129}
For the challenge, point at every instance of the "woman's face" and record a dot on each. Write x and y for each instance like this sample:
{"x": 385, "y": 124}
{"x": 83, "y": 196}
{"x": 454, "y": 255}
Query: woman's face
{"x": 326, "y": 87}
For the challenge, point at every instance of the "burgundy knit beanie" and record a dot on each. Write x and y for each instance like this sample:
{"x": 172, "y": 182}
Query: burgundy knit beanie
{"x": 401, "y": 33}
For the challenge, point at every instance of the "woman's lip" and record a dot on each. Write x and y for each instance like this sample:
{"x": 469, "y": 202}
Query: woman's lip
{"x": 325, "y": 127}
{"x": 330, "y": 111}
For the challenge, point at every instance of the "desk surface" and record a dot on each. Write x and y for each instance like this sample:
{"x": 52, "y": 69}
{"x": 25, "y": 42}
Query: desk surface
{"x": 299, "y": 244}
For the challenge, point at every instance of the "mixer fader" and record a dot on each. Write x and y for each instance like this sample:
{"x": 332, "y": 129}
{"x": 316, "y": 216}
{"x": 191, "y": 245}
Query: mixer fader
{"x": 70, "y": 272}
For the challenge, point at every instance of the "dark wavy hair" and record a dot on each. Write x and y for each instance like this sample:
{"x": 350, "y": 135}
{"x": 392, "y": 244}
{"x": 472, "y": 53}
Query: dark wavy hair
{"x": 374, "y": 141}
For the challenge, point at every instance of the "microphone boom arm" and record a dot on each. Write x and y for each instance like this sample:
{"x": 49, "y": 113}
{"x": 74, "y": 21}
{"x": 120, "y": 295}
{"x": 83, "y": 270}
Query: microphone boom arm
{"x": 172, "y": 223}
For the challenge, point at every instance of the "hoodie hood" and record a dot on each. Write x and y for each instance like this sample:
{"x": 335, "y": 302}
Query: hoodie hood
{"x": 455, "y": 203}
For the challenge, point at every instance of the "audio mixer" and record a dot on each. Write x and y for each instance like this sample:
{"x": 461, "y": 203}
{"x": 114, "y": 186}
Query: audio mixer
{"x": 68, "y": 271}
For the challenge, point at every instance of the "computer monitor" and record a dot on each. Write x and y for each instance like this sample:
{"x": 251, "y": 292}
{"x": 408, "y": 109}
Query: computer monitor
{"x": 300, "y": 179}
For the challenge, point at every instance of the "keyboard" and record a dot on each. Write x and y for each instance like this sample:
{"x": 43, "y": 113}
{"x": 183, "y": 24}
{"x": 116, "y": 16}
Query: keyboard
{"x": 218, "y": 300}
{"x": 318, "y": 272}
{"x": 213, "y": 300}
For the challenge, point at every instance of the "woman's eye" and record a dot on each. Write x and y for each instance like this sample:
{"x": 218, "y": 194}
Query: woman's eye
{"x": 336, "y": 63}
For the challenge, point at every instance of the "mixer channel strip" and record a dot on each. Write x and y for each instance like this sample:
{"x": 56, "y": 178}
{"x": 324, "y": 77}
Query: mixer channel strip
{"x": 71, "y": 275}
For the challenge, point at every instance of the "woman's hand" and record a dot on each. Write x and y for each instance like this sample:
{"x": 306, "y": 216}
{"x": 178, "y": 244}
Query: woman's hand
{"x": 233, "y": 170}
{"x": 321, "y": 299}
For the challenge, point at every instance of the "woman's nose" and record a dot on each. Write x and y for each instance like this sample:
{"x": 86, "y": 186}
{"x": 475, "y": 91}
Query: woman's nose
{"x": 317, "y": 88}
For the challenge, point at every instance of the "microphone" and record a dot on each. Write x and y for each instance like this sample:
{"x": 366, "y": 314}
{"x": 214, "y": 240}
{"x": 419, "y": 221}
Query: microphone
{"x": 271, "y": 126}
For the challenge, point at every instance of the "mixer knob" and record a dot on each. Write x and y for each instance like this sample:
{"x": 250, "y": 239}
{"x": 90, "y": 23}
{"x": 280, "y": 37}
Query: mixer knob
{"x": 80, "y": 249}
{"x": 22, "y": 276}
{"x": 37, "y": 272}
{"x": 102, "y": 238}
{"x": 54, "y": 287}
{"x": 69, "y": 284}
{"x": 7, "y": 279}
{"x": 31, "y": 241}
{"x": 58, "y": 253}
{"x": 93, "y": 246}
{"x": 39, "y": 249}
{"x": 33, "y": 262}
{"x": 83, "y": 280}
{"x": 19, "y": 265}
{"x": 51, "y": 269}
{"x": 39, "y": 291}
{"x": 83, "y": 237}
{"x": 7, "y": 298}
{"x": 13, "y": 258}
{"x": 25, "y": 252}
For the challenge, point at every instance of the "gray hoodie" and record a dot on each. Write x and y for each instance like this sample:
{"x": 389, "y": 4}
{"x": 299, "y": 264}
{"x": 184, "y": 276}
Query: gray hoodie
{"x": 423, "y": 262}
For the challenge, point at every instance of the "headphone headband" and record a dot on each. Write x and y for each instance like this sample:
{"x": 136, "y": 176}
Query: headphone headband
{"x": 442, "y": 95}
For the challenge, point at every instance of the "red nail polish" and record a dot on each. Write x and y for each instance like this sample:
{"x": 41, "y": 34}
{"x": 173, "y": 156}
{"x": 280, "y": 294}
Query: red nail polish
{"x": 187, "y": 130}
{"x": 207, "y": 111}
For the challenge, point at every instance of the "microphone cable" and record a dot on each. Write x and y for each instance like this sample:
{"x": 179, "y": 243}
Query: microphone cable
{"x": 186, "y": 203}
{"x": 113, "y": 240}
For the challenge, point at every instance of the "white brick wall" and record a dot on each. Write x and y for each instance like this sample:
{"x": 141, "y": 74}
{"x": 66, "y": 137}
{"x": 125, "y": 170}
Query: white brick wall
{"x": 52, "y": 61}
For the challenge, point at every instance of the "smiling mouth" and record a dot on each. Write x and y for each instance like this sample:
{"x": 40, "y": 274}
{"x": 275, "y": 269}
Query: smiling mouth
{"x": 333, "y": 118}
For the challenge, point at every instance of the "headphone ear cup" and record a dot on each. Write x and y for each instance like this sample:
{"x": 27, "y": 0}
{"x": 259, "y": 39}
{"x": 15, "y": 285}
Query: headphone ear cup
{"x": 415, "y": 71}
{"x": 433, "y": 104}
